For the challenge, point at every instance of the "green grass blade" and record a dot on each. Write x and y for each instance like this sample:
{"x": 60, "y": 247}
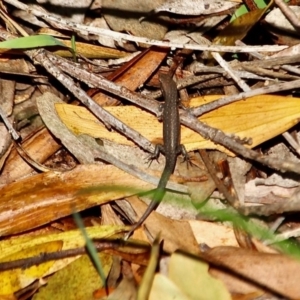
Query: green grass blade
{"x": 90, "y": 247}
{"x": 32, "y": 41}
{"x": 288, "y": 247}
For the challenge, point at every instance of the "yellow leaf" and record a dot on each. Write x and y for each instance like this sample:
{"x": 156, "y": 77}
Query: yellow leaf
{"x": 91, "y": 51}
{"x": 71, "y": 239}
{"x": 260, "y": 118}
{"x": 78, "y": 280}
{"x": 239, "y": 28}
{"x": 86, "y": 49}
{"x": 195, "y": 274}
{"x": 28, "y": 246}
{"x": 164, "y": 288}
{"x": 15, "y": 279}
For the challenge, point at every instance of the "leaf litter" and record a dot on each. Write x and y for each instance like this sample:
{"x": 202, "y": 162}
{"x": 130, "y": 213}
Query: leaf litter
{"x": 207, "y": 239}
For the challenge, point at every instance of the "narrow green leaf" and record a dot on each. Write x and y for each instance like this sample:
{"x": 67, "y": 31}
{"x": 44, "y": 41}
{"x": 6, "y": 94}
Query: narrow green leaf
{"x": 90, "y": 247}
{"x": 73, "y": 48}
{"x": 248, "y": 225}
{"x": 32, "y": 41}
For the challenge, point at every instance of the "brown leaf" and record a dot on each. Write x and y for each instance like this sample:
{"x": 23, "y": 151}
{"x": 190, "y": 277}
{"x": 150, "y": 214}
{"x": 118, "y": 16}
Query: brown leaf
{"x": 176, "y": 234}
{"x": 276, "y": 272}
{"x": 45, "y": 197}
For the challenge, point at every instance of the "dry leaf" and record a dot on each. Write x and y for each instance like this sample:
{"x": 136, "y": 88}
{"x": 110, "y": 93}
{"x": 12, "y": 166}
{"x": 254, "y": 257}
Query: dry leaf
{"x": 126, "y": 17}
{"x": 82, "y": 283}
{"x": 15, "y": 167}
{"x": 177, "y": 234}
{"x": 274, "y": 271}
{"x": 195, "y": 274}
{"x": 91, "y": 51}
{"x": 239, "y": 28}
{"x": 164, "y": 288}
{"x": 46, "y": 197}
{"x": 213, "y": 234}
{"x": 195, "y": 7}
{"x": 16, "y": 279}
{"x": 28, "y": 246}
{"x": 277, "y": 19}
{"x": 131, "y": 76}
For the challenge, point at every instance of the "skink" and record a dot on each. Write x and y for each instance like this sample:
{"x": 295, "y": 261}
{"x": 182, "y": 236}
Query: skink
{"x": 171, "y": 147}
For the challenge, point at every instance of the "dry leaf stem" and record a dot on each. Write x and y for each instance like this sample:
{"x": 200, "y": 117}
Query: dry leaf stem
{"x": 200, "y": 68}
{"x": 227, "y": 69}
{"x": 282, "y": 86}
{"x": 48, "y": 256}
{"x": 220, "y": 185}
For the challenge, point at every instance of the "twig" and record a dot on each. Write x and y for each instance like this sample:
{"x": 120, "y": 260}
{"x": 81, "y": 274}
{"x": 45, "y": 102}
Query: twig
{"x": 241, "y": 83}
{"x": 117, "y": 36}
{"x": 189, "y": 120}
{"x": 286, "y": 135}
{"x": 288, "y": 13}
{"x": 104, "y": 84}
{"x": 8, "y": 125}
{"x": 95, "y": 108}
{"x": 200, "y": 68}
{"x": 282, "y": 86}
{"x": 85, "y": 148}
{"x": 220, "y": 185}
{"x": 219, "y": 137}
{"x": 291, "y": 69}
{"x": 270, "y": 73}
{"x": 289, "y": 138}
{"x": 291, "y": 205}
{"x": 48, "y": 256}
{"x": 267, "y": 63}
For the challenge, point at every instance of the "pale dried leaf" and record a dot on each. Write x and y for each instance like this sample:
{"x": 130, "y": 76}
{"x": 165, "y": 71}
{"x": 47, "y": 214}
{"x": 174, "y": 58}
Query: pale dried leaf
{"x": 213, "y": 234}
{"x": 126, "y": 17}
{"x": 195, "y": 7}
{"x": 277, "y": 19}
{"x": 195, "y": 274}
{"x": 164, "y": 288}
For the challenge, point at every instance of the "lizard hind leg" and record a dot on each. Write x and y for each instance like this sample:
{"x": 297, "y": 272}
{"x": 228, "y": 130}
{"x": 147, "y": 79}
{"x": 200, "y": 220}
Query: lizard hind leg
{"x": 155, "y": 154}
{"x": 186, "y": 158}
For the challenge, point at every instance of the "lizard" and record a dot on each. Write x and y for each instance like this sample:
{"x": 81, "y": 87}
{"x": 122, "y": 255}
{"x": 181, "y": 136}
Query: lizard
{"x": 171, "y": 147}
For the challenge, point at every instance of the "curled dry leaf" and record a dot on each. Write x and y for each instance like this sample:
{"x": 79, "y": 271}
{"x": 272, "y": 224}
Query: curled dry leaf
{"x": 40, "y": 146}
{"x": 126, "y": 17}
{"x": 42, "y": 198}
